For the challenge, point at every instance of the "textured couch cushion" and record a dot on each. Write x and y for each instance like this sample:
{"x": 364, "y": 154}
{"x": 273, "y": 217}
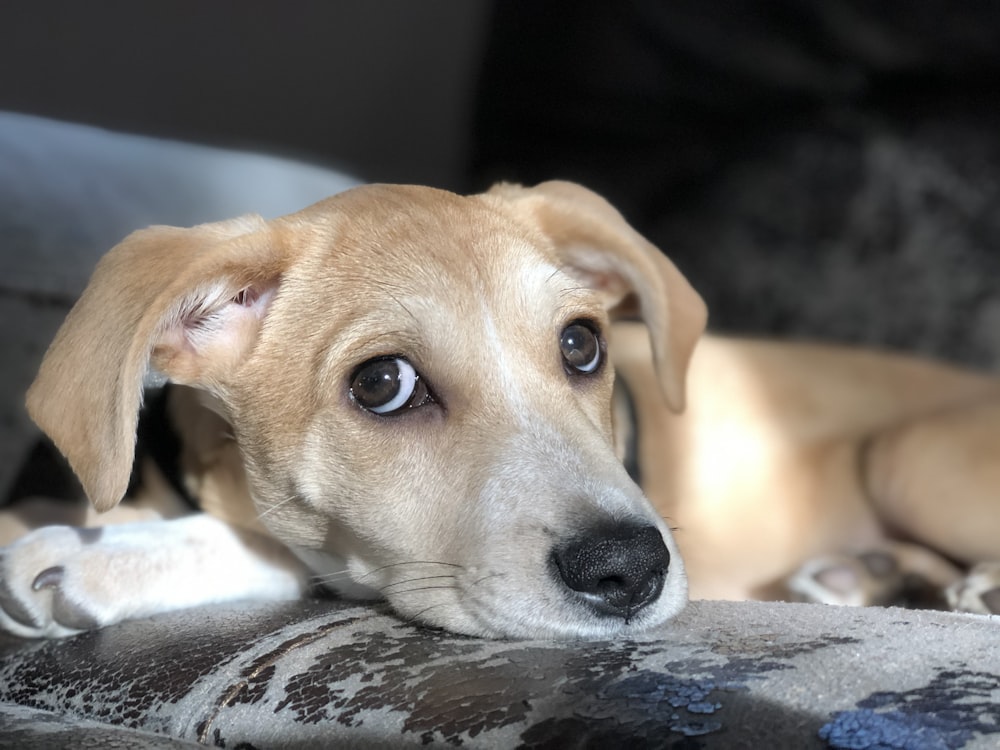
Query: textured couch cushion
{"x": 325, "y": 673}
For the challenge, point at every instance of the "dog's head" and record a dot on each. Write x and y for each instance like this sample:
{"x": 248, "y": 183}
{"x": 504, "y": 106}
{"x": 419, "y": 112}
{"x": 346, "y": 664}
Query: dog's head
{"x": 420, "y": 389}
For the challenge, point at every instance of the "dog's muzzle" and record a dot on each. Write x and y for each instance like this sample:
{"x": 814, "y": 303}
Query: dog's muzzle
{"x": 615, "y": 570}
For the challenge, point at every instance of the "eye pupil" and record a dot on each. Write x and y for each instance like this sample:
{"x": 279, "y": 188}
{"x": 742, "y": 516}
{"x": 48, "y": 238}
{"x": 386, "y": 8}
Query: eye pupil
{"x": 388, "y": 385}
{"x": 376, "y": 383}
{"x": 581, "y": 348}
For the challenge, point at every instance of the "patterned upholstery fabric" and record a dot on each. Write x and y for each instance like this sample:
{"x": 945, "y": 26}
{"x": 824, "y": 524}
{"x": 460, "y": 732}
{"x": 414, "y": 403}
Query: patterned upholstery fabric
{"x": 325, "y": 673}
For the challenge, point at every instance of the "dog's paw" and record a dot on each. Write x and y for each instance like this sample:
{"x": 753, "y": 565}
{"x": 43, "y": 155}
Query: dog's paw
{"x": 866, "y": 579}
{"x": 978, "y": 591}
{"x": 59, "y": 580}
{"x": 895, "y": 574}
{"x": 54, "y": 582}
{"x": 876, "y": 578}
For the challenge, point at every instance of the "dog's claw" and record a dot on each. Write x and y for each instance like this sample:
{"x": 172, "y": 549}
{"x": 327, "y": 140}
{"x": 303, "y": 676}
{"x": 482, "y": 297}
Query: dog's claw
{"x": 49, "y": 578}
{"x": 12, "y": 606}
{"x": 38, "y": 597}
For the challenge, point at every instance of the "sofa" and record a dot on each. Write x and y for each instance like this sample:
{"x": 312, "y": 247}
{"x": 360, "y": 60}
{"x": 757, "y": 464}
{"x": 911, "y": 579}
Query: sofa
{"x": 325, "y": 673}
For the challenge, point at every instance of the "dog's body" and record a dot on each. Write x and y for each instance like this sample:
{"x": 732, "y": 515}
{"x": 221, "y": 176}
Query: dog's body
{"x": 412, "y": 392}
{"x": 788, "y": 452}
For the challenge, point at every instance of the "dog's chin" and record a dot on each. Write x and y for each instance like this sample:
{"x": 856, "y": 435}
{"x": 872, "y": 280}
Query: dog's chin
{"x": 565, "y": 625}
{"x": 530, "y": 619}
{"x": 507, "y": 615}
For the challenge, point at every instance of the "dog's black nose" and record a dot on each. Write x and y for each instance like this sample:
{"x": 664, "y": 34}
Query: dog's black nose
{"x": 617, "y": 569}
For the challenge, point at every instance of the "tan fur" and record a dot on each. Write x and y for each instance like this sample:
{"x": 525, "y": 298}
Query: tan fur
{"x": 788, "y": 451}
{"x": 784, "y": 452}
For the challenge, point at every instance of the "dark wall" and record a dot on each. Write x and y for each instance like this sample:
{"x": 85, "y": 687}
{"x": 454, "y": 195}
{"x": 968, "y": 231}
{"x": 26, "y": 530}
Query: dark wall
{"x": 382, "y": 88}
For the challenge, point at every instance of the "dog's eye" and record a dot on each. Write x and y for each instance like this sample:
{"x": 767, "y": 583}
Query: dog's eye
{"x": 581, "y": 348}
{"x": 388, "y": 385}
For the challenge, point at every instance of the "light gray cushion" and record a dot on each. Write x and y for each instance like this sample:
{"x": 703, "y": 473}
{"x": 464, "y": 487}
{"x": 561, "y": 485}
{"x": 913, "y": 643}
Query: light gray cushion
{"x": 69, "y": 193}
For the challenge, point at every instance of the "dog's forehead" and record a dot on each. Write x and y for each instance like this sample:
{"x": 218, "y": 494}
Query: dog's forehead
{"x": 383, "y": 227}
{"x": 379, "y": 245}
{"x": 429, "y": 273}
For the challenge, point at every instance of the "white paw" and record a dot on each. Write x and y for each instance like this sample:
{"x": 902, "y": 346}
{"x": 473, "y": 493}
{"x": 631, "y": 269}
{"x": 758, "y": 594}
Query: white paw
{"x": 61, "y": 580}
{"x": 54, "y": 583}
{"x": 896, "y": 575}
{"x": 870, "y": 578}
{"x": 977, "y": 592}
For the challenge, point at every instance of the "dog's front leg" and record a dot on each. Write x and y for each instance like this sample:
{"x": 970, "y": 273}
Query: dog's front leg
{"x": 61, "y": 580}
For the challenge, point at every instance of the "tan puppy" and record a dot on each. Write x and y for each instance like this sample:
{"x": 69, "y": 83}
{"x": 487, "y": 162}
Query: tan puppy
{"x": 411, "y": 392}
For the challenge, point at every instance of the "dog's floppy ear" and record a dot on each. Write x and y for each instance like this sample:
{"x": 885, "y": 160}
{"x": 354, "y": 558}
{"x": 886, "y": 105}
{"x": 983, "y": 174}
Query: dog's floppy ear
{"x": 188, "y": 302}
{"x": 598, "y": 245}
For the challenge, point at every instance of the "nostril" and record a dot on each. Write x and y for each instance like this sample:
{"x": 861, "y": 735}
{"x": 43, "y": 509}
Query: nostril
{"x": 617, "y": 569}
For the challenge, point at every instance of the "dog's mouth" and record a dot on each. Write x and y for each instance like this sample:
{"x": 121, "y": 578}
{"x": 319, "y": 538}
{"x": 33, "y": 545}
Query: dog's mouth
{"x": 614, "y": 587}
{"x": 522, "y": 558}
{"x": 604, "y": 581}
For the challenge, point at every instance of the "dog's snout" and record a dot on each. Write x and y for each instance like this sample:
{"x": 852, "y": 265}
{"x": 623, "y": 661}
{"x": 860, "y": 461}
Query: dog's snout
{"x": 617, "y": 570}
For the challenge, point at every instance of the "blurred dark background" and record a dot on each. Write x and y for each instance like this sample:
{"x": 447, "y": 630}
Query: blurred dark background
{"x": 381, "y": 88}
{"x": 819, "y": 168}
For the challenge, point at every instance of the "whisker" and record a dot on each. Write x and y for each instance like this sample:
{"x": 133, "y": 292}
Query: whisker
{"x": 487, "y": 577}
{"x": 340, "y": 575}
{"x": 415, "y": 562}
{"x": 415, "y": 618}
{"x": 391, "y": 336}
{"x": 331, "y": 579}
{"x": 413, "y": 580}
{"x": 275, "y": 506}
{"x": 672, "y": 528}
{"x": 574, "y": 290}
{"x": 424, "y": 588}
{"x": 405, "y": 308}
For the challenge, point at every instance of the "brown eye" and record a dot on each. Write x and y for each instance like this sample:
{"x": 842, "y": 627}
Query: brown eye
{"x": 388, "y": 385}
{"x": 581, "y": 348}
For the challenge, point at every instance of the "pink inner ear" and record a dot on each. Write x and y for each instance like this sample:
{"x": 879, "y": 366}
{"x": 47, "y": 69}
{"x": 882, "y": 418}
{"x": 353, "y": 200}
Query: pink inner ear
{"x": 246, "y": 297}
{"x": 211, "y": 331}
{"x": 216, "y": 321}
